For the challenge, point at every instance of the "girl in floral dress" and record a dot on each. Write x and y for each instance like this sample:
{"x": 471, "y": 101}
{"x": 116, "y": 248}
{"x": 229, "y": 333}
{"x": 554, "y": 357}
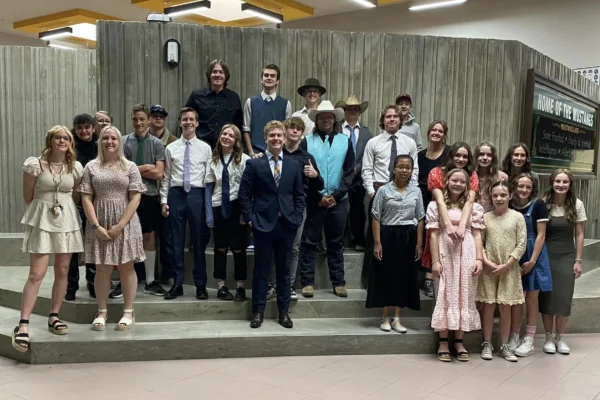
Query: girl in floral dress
{"x": 456, "y": 264}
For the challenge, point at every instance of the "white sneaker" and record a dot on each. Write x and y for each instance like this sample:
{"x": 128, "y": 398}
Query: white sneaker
{"x": 561, "y": 346}
{"x": 397, "y": 326}
{"x": 513, "y": 341}
{"x": 486, "y": 351}
{"x": 526, "y": 348}
{"x": 385, "y": 325}
{"x": 293, "y": 295}
{"x": 549, "y": 345}
{"x": 271, "y": 293}
{"x": 507, "y": 354}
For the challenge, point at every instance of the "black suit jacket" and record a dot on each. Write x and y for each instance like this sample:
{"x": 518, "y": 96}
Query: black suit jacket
{"x": 263, "y": 203}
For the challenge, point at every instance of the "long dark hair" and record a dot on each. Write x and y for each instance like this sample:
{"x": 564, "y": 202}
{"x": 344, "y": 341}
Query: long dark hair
{"x": 486, "y": 181}
{"x": 570, "y": 198}
{"x": 449, "y": 165}
{"x": 507, "y": 162}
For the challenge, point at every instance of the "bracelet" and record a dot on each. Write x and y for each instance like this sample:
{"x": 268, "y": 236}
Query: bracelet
{"x": 478, "y": 259}
{"x": 436, "y": 261}
{"x": 579, "y": 260}
{"x": 421, "y": 245}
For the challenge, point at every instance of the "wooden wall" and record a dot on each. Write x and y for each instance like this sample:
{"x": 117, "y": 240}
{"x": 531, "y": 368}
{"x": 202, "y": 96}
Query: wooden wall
{"x": 39, "y": 87}
{"x": 476, "y": 85}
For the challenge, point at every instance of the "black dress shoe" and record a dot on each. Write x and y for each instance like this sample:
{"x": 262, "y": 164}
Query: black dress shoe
{"x": 257, "y": 320}
{"x": 224, "y": 294}
{"x": 70, "y": 295}
{"x": 240, "y": 294}
{"x": 174, "y": 292}
{"x": 285, "y": 320}
{"x": 201, "y": 293}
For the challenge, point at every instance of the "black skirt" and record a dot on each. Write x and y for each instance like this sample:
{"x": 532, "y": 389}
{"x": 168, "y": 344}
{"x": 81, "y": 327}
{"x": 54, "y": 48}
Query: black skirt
{"x": 394, "y": 279}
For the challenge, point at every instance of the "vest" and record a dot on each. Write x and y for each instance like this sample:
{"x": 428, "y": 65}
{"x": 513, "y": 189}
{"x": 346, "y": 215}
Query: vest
{"x": 262, "y": 114}
{"x": 330, "y": 159}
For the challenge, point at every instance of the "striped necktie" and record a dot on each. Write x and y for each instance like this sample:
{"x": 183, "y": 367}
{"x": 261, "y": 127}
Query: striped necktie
{"x": 276, "y": 171}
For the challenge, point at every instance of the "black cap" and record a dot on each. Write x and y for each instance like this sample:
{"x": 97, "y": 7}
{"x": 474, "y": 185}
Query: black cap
{"x": 158, "y": 109}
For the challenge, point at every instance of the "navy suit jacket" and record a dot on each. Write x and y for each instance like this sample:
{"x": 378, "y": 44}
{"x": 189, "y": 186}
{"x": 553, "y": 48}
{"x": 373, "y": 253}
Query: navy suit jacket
{"x": 262, "y": 202}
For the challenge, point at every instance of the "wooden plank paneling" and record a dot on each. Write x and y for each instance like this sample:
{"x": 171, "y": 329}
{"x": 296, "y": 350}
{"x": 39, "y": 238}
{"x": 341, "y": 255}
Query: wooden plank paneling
{"x": 476, "y": 85}
{"x": 39, "y": 87}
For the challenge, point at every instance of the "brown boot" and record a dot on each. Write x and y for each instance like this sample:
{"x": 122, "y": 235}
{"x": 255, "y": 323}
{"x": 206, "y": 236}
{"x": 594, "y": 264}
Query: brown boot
{"x": 308, "y": 291}
{"x": 340, "y": 291}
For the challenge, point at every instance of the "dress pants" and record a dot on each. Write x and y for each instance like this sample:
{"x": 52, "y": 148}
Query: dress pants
{"x": 333, "y": 221}
{"x": 358, "y": 219}
{"x": 90, "y": 269}
{"x": 166, "y": 249}
{"x": 293, "y": 257}
{"x": 277, "y": 244}
{"x": 187, "y": 208}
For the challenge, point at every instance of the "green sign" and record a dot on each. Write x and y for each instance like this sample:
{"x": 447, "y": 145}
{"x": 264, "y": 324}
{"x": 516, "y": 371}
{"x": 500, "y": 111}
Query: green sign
{"x": 563, "y": 132}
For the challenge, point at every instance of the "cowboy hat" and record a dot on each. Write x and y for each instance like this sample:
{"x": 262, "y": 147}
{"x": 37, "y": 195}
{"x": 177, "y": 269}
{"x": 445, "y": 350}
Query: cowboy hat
{"x": 353, "y": 101}
{"x": 311, "y": 83}
{"x": 326, "y": 107}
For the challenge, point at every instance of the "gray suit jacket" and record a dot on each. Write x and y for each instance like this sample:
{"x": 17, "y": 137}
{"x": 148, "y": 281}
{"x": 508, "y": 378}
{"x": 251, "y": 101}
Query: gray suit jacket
{"x": 363, "y": 137}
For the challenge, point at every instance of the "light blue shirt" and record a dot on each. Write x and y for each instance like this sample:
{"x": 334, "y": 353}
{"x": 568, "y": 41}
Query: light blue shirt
{"x": 272, "y": 162}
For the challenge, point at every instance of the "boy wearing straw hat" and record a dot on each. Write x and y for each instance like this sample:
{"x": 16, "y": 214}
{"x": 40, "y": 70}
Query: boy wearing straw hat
{"x": 359, "y": 135}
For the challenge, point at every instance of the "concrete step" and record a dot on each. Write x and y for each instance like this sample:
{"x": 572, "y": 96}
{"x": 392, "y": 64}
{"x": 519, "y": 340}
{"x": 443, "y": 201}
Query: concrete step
{"x": 151, "y": 308}
{"x": 219, "y": 339}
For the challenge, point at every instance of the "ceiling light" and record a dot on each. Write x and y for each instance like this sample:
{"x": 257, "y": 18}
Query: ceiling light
{"x": 367, "y": 3}
{"x": 438, "y": 4}
{"x": 56, "y": 33}
{"x": 189, "y": 8}
{"x": 262, "y": 13}
{"x": 85, "y": 31}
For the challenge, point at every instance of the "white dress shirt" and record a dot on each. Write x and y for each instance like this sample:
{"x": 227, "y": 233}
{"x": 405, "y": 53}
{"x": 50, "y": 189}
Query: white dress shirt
{"x": 376, "y": 158}
{"x": 272, "y": 162}
{"x": 309, "y": 126}
{"x": 214, "y": 173}
{"x": 347, "y": 130}
{"x": 200, "y": 154}
{"x": 248, "y": 110}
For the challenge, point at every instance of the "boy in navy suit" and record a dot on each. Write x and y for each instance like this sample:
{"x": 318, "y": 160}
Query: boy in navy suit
{"x": 272, "y": 199}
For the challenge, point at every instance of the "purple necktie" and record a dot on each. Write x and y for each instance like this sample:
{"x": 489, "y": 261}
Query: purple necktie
{"x": 187, "y": 186}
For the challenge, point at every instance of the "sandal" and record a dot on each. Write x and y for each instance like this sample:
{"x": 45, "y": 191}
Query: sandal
{"x": 20, "y": 341}
{"x": 99, "y": 322}
{"x": 444, "y": 355}
{"x": 57, "y": 327}
{"x": 126, "y": 323}
{"x": 461, "y": 355}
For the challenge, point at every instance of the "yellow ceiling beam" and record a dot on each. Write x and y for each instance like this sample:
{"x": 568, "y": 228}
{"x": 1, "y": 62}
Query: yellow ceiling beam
{"x": 60, "y": 20}
{"x": 290, "y": 9}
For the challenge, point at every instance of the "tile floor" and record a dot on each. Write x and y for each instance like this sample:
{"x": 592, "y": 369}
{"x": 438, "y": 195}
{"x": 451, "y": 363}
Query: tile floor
{"x": 406, "y": 377}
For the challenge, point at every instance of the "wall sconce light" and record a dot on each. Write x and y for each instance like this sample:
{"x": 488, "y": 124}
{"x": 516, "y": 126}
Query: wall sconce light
{"x": 56, "y": 33}
{"x": 262, "y": 13}
{"x": 173, "y": 52}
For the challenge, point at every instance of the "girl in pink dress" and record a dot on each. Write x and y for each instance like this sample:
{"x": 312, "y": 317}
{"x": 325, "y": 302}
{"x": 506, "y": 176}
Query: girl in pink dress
{"x": 456, "y": 264}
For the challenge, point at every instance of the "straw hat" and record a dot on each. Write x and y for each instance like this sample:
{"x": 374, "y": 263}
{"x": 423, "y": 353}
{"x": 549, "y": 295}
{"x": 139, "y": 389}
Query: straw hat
{"x": 326, "y": 107}
{"x": 353, "y": 101}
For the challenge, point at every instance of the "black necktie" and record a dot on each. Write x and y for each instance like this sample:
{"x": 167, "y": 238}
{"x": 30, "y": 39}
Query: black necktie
{"x": 225, "y": 202}
{"x": 393, "y": 155}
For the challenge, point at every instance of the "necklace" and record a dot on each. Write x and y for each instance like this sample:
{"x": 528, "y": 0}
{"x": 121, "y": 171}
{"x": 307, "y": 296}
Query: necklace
{"x": 57, "y": 207}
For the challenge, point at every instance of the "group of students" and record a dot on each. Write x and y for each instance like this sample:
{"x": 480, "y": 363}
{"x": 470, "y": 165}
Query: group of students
{"x": 484, "y": 238}
{"x": 289, "y": 179}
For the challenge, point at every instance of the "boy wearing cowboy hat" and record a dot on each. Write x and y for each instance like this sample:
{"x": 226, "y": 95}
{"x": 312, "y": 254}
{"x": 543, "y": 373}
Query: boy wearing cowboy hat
{"x": 312, "y": 91}
{"x": 328, "y": 208}
{"x": 359, "y": 136}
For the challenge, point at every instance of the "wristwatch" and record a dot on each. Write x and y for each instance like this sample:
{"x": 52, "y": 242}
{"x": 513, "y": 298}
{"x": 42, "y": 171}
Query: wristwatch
{"x": 95, "y": 226}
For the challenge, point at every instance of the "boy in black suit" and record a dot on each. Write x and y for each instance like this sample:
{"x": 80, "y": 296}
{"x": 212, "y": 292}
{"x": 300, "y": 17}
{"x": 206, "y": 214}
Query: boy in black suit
{"x": 272, "y": 199}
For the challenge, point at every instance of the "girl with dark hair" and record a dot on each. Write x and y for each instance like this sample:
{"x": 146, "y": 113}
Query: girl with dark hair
{"x": 566, "y": 219}
{"x": 535, "y": 266}
{"x": 223, "y": 177}
{"x": 457, "y": 265}
{"x": 500, "y": 282}
{"x": 486, "y": 157}
{"x": 517, "y": 160}
{"x": 433, "y": 156}
{"x": 459, "y": 156}
{"x": 397, "y": 230}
